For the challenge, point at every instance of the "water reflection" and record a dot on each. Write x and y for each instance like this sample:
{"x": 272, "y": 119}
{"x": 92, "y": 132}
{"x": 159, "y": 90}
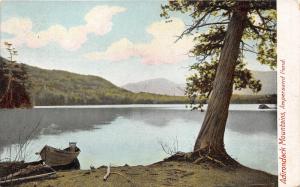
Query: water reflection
{"x": 15, "y": 124}
{"x": 134, "y": 132}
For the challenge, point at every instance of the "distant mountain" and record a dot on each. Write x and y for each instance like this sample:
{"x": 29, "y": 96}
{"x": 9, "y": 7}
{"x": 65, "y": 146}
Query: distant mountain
{"x": 268, "y": 80}
{"x": 157, "y": 86}
{"x": 167, "y": 87}
{"x": 56, "y": 87}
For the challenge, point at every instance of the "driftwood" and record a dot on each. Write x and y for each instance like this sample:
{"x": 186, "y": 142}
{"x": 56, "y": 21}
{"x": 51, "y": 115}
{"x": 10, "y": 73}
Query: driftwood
{"x": 27, "y": 170}
{"x": 22, "y": 179}
{"x": 107, "y": 173}
{"x": 7, "y": 168}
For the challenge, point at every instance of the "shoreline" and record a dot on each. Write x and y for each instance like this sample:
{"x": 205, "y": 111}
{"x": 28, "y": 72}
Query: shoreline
{"x": 164, "y": 173}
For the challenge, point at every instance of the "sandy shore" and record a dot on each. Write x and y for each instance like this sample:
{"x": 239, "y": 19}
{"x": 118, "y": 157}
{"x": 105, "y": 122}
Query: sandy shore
{"x": 162, "y": 174}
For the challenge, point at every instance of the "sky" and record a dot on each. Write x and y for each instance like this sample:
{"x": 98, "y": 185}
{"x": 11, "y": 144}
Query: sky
{"x": 121, "y": 41}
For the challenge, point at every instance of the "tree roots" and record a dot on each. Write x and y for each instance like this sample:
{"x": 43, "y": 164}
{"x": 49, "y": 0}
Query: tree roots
{"x": 217, "y": 159}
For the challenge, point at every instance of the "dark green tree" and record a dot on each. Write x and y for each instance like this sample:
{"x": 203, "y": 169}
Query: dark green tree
{"x": 224, "y": 32}
{"x": 13, "y": 82}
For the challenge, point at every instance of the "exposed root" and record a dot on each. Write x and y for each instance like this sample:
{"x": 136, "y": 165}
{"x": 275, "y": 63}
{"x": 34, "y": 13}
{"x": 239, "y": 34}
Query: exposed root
{"x": 199, "y": 160}
{"x": 219, "y": 159}
{"x": 215, "y": 160}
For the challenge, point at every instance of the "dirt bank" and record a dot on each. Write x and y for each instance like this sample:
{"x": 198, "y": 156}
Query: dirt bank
{"x": 162, "y": 174}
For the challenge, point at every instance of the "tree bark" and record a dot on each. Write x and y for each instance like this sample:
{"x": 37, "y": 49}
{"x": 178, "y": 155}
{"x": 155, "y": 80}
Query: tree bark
{"x": 211, "y": 135}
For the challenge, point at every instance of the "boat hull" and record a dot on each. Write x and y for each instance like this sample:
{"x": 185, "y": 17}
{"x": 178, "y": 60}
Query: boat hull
{"x": 57, "y": 157}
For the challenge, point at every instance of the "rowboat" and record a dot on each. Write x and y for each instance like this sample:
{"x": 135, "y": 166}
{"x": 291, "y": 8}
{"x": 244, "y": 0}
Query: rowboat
{"x": 58, "y": 157}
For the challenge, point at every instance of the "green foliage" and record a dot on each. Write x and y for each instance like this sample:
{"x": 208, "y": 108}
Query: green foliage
{"x": 53, "y": 87}
{"x": 258, "y": 99}
{"x": 209, "y": 23}
{"x": 13, "y": 84}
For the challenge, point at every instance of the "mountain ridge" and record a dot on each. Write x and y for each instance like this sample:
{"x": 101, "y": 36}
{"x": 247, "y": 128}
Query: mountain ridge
{"x": 167, "y": 87}
{"x": 157, "y": 86}
{"x": 59, "y": 87}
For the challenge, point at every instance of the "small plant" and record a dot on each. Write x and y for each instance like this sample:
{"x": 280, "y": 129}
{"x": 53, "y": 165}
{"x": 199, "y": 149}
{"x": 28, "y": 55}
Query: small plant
{"x": 170, "y": 148}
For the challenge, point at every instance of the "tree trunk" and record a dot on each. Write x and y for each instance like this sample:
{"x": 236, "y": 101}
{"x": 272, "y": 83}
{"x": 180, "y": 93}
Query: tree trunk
{"x": 211, "y": 135}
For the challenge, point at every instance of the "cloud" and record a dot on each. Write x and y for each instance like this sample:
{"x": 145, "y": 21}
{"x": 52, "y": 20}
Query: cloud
{"x": 16, "y": 26}
{"x": 98, "y": 21}
{"x": 161, "y": 49}
{"x": 120, "y": 50}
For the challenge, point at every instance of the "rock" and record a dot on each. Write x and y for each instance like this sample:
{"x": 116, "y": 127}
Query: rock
{"x": 92, "y": 168}
{"x": 263, "y": 106}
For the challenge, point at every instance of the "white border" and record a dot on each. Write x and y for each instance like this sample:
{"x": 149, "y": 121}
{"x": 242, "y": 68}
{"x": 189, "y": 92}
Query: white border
{"x": 289, "y": 50}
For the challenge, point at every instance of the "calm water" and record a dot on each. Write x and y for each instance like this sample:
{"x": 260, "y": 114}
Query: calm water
{"x": 132, "y": 134}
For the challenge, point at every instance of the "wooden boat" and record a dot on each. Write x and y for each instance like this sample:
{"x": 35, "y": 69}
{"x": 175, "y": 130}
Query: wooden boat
{"x": 57, "y": 157}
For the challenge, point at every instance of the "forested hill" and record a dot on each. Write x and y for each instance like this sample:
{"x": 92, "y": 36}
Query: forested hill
{"x": 55, "y": 87}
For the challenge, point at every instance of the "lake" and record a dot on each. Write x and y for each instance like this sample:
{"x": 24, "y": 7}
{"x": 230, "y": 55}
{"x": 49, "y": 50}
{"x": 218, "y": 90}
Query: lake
{"x": 133, "y": 134}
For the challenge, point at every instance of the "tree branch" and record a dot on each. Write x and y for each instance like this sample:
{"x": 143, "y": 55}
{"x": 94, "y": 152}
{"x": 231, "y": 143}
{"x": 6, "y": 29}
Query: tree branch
{"x": 249, "y": 50}
{"x": 264, "y": 5}
{"x": 193, "y": 27}
{"x": 214, "y": 23}
{"x": 261, "y": 17}
{"x": 252, "y": 27}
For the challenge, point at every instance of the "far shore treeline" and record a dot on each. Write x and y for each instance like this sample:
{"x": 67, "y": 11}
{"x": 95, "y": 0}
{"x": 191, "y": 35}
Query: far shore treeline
{"x": 56, "y": 87}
